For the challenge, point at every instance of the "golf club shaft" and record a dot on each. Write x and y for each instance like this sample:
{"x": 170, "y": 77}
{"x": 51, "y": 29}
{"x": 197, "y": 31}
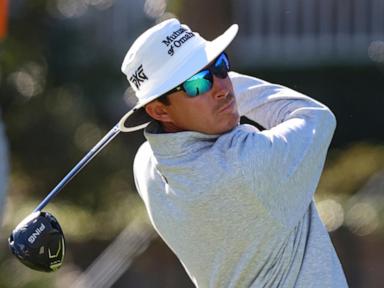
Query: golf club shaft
{"x": 88, "y": 157}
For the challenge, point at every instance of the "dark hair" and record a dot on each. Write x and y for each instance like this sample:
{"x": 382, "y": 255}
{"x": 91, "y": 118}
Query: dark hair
{"x": 164, "y": 99}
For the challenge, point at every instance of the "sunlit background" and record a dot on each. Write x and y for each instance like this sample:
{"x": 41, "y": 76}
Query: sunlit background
{"x": 61, "y": 90}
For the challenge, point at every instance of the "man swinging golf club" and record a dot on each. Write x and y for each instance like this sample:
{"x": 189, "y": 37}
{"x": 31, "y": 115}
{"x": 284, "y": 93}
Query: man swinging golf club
{"x": 233, "y": 202}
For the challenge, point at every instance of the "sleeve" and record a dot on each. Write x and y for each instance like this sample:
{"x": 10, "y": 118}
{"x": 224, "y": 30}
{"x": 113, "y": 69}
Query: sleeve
{"x": 284, "y": 162}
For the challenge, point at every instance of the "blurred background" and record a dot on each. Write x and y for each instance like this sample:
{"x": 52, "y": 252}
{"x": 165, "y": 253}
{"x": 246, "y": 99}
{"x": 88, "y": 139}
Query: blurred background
{"x": 61, "y": 90}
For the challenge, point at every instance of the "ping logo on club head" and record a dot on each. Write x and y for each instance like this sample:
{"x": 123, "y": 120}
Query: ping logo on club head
{"x": 36, "y": 233}
{"x": 138, "y": 77}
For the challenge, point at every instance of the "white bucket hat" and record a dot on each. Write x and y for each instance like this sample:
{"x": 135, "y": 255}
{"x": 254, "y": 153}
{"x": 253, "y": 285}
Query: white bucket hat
{"x": 162, "y": 58}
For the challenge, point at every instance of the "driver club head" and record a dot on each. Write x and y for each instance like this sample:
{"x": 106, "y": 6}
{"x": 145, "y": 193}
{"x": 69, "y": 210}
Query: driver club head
{"x": 38, "y": 242}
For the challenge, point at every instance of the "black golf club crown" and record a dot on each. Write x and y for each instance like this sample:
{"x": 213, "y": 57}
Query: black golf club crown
{"x": 38, "y": 242}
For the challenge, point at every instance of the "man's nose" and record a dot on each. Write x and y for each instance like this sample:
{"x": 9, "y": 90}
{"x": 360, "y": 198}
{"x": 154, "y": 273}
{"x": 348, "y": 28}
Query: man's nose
{"x": 220, "y": 87}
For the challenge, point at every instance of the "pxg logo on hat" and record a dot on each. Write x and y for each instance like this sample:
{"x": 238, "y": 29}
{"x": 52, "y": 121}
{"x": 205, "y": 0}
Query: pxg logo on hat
{"x": 138, "y": 77}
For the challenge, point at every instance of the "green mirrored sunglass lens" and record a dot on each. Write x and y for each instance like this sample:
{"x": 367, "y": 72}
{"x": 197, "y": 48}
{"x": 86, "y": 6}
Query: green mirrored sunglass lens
{"x": 197, "y": 86}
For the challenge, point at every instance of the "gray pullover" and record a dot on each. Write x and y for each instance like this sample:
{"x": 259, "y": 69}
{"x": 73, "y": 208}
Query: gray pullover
{"x": 237, "y": 209}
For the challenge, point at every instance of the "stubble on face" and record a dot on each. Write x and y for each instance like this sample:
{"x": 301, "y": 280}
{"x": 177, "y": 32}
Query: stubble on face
{"x": 222, "y": 105}
{"x": 226, "y": 113}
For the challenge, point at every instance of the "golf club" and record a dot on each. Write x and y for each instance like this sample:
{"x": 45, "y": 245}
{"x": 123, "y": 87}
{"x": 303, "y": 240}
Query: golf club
{"x": 38, "y": 241}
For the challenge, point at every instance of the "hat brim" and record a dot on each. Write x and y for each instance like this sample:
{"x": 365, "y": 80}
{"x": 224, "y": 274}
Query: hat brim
{"x": 137, "y": 118}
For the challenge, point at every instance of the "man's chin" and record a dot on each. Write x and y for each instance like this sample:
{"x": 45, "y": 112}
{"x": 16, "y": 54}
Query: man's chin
{"x": 233, "y": 123}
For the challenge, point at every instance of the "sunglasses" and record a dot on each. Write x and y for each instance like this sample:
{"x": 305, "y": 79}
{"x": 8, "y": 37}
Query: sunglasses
{"x": 202, "y": 81}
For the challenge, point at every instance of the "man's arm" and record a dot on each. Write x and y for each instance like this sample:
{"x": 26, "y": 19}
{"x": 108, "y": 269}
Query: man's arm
{"x": 287, "y": 159}
{"x": 266, "y": 103}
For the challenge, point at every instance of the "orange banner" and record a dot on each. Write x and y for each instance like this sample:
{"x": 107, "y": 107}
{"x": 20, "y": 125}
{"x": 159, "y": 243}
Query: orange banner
{"x": 3, "y": 18}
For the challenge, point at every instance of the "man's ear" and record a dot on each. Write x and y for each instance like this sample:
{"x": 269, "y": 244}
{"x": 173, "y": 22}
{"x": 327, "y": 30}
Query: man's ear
{"x": 158, "y": 111}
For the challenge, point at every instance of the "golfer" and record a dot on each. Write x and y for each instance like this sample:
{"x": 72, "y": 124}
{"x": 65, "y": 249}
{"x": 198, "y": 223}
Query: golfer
{"x": 233, "y": 202}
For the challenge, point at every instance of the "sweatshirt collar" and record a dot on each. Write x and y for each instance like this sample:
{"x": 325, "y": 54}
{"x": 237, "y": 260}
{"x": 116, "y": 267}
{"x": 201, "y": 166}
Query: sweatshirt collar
{"x": 176, "y": 144}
